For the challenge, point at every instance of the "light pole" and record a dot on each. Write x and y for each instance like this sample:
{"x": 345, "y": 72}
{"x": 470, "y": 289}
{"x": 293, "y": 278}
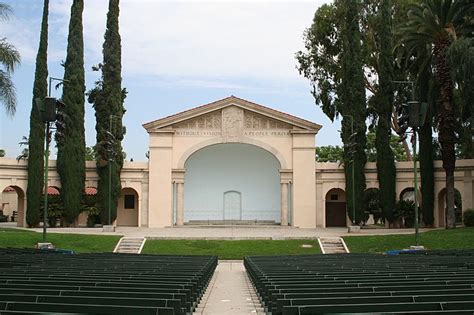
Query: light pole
{"x": 47, "y": 138}
{"x": 111, "y": 153}
{"x": 414, "y": 122}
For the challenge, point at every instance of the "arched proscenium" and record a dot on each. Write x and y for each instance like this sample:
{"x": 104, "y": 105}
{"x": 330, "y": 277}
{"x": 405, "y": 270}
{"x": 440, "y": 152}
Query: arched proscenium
{"x": 249, "y": 170}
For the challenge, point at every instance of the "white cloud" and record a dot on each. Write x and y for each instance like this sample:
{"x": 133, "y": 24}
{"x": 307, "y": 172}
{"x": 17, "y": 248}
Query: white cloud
{"x": 206, "y": 39}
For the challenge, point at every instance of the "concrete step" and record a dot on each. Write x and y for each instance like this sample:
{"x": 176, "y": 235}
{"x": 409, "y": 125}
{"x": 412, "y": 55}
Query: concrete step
{"x": 332, "y": 245}
{"x": 130, "y": 245}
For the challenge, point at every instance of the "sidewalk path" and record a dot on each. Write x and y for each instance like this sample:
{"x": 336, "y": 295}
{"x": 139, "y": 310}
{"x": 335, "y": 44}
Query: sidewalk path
{"x": 224, "y": 232}
{"x": 230, "y": 292}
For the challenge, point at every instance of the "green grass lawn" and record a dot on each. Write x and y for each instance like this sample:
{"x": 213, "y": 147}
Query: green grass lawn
{"x": 459, "y": 238}
{"x": 80, "y": 243}
{"x": 230, "y": 249}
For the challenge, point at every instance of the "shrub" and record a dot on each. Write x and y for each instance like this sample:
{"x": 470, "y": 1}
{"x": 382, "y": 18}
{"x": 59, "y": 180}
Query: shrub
{"x": 468, "y": 217}
{"x": 405, "y": 210}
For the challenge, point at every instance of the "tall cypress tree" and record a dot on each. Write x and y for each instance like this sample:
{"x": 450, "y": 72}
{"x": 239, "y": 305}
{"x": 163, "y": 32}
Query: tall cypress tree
{"x": 386, "y": 172}
{"x": 36, "y": 137}
{"x": 71, "y": 146}
{"x": 426, "y": 150}
{"x": 108, "y": 98}
{"x": 353, "y": 102}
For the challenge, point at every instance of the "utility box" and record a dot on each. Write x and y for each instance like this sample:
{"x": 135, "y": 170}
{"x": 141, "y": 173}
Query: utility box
{"x": 44, "y": 246}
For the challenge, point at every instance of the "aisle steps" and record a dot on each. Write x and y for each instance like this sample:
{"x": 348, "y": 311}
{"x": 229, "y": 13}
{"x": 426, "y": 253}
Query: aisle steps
{"x": 332, "y": 245}
{"x": 130, "y": 245}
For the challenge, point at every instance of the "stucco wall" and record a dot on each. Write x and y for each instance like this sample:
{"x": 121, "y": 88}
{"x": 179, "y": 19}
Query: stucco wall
{"x": 243, "y": 168}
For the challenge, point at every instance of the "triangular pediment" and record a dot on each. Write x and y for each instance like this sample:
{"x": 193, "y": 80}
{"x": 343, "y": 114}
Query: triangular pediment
{"x": 209, "y": 117}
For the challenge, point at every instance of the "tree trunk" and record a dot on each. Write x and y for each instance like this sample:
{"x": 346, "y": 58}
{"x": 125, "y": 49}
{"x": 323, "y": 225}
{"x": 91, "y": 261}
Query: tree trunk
{"x": 450, "y": 210}
{"x": 447, "y": 124}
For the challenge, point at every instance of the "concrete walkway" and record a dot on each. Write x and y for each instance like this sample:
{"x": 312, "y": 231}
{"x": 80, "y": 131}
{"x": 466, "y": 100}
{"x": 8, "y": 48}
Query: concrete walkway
{"x": 230, "y": 292}
{"x": 224, "y": 232}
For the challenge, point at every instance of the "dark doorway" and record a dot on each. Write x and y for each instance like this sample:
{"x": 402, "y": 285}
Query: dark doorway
{"x": 335, "y": 214}
{"x": 336, "y": 208}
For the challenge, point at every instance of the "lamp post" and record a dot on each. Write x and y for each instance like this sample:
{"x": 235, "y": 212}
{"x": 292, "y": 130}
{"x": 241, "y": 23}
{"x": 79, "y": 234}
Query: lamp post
{"x": 47, "y": 121}
{"x": 110, "y": 160}
{"x": 414, "y": 122}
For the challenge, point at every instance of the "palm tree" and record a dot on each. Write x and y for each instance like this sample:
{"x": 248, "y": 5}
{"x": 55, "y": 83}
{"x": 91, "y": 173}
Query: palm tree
{"x": 436, "y": 25}
{"x": 9, "y": 59}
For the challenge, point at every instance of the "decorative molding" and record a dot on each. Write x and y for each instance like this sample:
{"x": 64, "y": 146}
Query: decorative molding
{"x": 232, "y": 124}
{"x": 210, "y": 121}
{"x": 260, "y": 122}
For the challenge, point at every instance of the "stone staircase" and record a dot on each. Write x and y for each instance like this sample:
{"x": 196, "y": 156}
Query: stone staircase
{"x": 130, "y": 245}
{"x": 332, "y": 245}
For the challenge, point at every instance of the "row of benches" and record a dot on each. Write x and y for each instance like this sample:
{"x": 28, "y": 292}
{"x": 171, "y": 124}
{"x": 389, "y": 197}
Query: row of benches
{"x": 362, "y": 283}
{"x": 43, "y": 281}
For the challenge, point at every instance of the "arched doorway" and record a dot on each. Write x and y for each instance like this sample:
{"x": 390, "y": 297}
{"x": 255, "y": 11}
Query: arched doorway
{"x": 408, "y": 194}
{"x": 232, "y": 181}
{"x": 373, "y": 209}
{"x": 336, "y": 213}
{"x": 442, "y": 207}
{"x": 12, "y": 204}
{"x": 127, "y": 209}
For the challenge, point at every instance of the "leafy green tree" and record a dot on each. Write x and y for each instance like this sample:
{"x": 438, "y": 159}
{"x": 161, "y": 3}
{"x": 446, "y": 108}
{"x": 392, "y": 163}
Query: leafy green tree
{"x": 353, "y": 103}
{"x": 9, "y": 60}
{"x": 383, "y": 104}
{"x": 2, "y": 152}
{"x": 107, "y": 98}
{"x": 90, "y": 154}
{"x": 34, "y": 190}
{"x": 329, "y": 153}
{"x": 395, "y": 145}
{"x": 438, "y": 25}
{"x": 71, "y": 145}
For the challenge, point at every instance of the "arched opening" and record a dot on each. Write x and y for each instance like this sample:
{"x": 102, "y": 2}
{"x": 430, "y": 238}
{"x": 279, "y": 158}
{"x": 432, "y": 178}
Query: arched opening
{"x": 373, "y": 210}
{"x": 408, "y": 194}
{"x": 442, "y": 207}
{"x": 12, "y": 205}
{"x": 127, "y": 209}
{"x": 89, "y": 215}
{"x": 232, "y": 181}
{"x": 336, "y": 214}
{"x": 55, "y": 206}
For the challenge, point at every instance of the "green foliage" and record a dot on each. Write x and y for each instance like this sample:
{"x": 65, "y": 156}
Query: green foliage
{"x": 395, "y": 145}
{"x": 329, "y": 153}
{"x": 2, "y": 152}
{"x": 89, "y": 205}
{"x": 353, "y": 103}
{"x": 230, "y": 249}
{"x": 373, "y": 204}
{"x": 71, "y": 147}
{"x": 437, "y": 25}
{"x": 333, "y": 62}
{"x": 55, "y": 209}
{"x": 9, "y": 60}
{"x": 35, "y": 152}
{"x": 405, "y": 212}
{"x": 425, "y": 91}
{"x": 462, "y": 238}
{"x": 468, "y": 218}
{"x": 386, "y": 172}
{"x": 90, "y": 154}
{"x": 335, "y": 153}
{"x": 107, "y": 98}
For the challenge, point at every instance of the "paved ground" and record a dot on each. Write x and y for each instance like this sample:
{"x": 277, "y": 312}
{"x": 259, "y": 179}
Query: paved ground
{"x": 230, "y": 292}
{"x": 224, "y": 232}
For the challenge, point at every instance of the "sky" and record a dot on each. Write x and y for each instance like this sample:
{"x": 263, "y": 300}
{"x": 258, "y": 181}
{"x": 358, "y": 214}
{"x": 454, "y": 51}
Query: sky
{"x": 175, "y": 56}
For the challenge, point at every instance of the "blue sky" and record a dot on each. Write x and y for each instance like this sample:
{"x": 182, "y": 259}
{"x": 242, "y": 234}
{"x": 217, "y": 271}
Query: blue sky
{"x": 175, "y": 56}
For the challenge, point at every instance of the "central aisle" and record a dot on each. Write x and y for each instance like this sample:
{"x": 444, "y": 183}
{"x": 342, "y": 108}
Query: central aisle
{"x": 230, "y": 292}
